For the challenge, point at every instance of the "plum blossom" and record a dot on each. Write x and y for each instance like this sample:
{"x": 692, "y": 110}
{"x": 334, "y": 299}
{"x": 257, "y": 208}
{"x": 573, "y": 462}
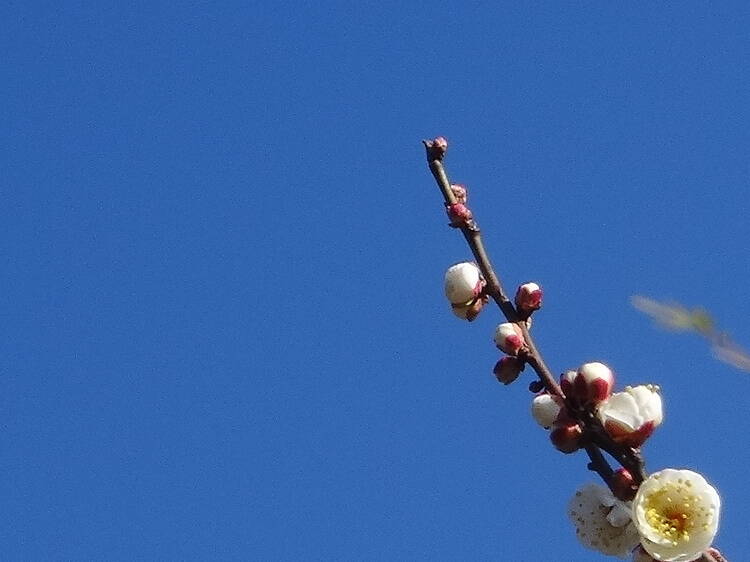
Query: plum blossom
{"x": 676, "y": 513}
{"x": 602, "y": 521}
{"x": 631, "y": 416}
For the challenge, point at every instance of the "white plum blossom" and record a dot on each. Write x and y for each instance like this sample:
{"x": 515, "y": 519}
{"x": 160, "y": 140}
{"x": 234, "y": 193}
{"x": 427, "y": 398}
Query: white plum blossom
{"x": 602, "y": 521}
{"x": 676, "y": 513}
{"x": 463, "y": 283}
{"x": 545, "y": 408}
{"x": 631, "y": 416}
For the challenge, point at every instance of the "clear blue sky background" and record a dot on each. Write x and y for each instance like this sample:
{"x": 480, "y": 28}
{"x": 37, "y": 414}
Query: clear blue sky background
{"x": 223, "y": 329}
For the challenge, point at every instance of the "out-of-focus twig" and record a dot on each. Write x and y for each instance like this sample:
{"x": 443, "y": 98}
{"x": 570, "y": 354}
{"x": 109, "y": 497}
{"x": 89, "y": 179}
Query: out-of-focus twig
{"x": 676, "y": 317}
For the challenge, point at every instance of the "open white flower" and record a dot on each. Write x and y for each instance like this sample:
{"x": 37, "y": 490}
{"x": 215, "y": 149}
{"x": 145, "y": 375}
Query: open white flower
{"x": 602, "y": 521}
{"x": 631, "y": 416}
{"x": 677, "y": 514}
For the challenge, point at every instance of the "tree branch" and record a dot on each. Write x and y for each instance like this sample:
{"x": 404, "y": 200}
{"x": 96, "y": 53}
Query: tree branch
{"x": 630, "y": 459}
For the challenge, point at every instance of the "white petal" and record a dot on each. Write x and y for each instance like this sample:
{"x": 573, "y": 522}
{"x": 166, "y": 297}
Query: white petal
{"x": 622, "y": 408}
{"x": 649, "y": 402}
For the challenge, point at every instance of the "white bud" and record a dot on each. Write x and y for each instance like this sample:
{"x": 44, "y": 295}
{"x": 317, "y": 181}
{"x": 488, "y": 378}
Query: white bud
{"x": 463, "y": 283}
{"x": 545, "y": 408}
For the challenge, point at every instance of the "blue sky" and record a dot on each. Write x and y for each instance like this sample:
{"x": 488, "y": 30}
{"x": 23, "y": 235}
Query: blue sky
{"x": 224, "y": 333}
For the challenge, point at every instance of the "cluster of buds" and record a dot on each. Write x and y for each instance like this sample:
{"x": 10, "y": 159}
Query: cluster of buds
{"x": 628, "y": 417}
{"x": 464, "y": 288}
{"x": 509, "y": 335}
{"x": 587, "y": 387}
{"x": 459, "y": 214}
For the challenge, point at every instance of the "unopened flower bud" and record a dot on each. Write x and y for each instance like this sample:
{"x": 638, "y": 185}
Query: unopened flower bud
{"x": 566, "y": 436}
{"x": 545, "y": 408}
{"x": 459, "y": 214}
{"x": 437, "y": 147}
{"x": 463, "y": 283}
{"x": 622, "y": 485}
{"x": 459, "y": 192}
{"x": 591, "y": 384}
{"x": 507, "y": 369}
{"x": 528, "y": 298}
{"x": 509, "y": 338}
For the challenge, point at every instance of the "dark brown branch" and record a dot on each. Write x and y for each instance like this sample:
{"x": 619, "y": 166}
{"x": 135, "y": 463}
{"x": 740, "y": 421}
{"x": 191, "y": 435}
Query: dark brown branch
{"x": 597, "y": 438}
{"x": 494, "y": 286}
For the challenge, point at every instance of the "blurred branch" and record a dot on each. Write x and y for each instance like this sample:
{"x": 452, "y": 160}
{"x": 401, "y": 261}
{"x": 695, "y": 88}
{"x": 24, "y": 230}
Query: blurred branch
{"x": 676, "y": 317}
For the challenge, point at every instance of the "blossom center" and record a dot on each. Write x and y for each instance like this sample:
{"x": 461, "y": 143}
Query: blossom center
{"x": 673, "y": 511}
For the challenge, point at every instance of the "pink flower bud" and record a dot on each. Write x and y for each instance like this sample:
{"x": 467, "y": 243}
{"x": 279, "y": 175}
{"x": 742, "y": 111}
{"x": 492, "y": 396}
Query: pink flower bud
{"x": 631, "y": 416}
{"x": 591, "y": 384}
{"x": 622, "y": 485}
{"x": 463, "y": 283}
{"x": 566, "y": 437}
{"x": 507, "y": 369}
{"x": 459, "y": 192}
{"x": 545, "y": 409}
{"x": 509, "y": 338}
{"x": 528, "y": 298}
{"x": 459, "y": 214}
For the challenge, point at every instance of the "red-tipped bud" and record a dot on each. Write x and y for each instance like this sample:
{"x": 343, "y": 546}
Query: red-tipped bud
{"x": 591, "y": 384}
{"x": 528, "y": 298}
{"x": 459, "y": 214}
{"x": 566, "y": 437}
{"x": 436, "y": 148}
{"x": 509, "y": 338}
{"x": 622, "y": 485}
{"x": 459, "y": 192}
{"x": 507, "y": 369}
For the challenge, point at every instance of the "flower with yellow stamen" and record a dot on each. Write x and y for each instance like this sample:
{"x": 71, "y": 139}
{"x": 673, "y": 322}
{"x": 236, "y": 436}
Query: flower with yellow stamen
{"x": 676, "y": 513}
